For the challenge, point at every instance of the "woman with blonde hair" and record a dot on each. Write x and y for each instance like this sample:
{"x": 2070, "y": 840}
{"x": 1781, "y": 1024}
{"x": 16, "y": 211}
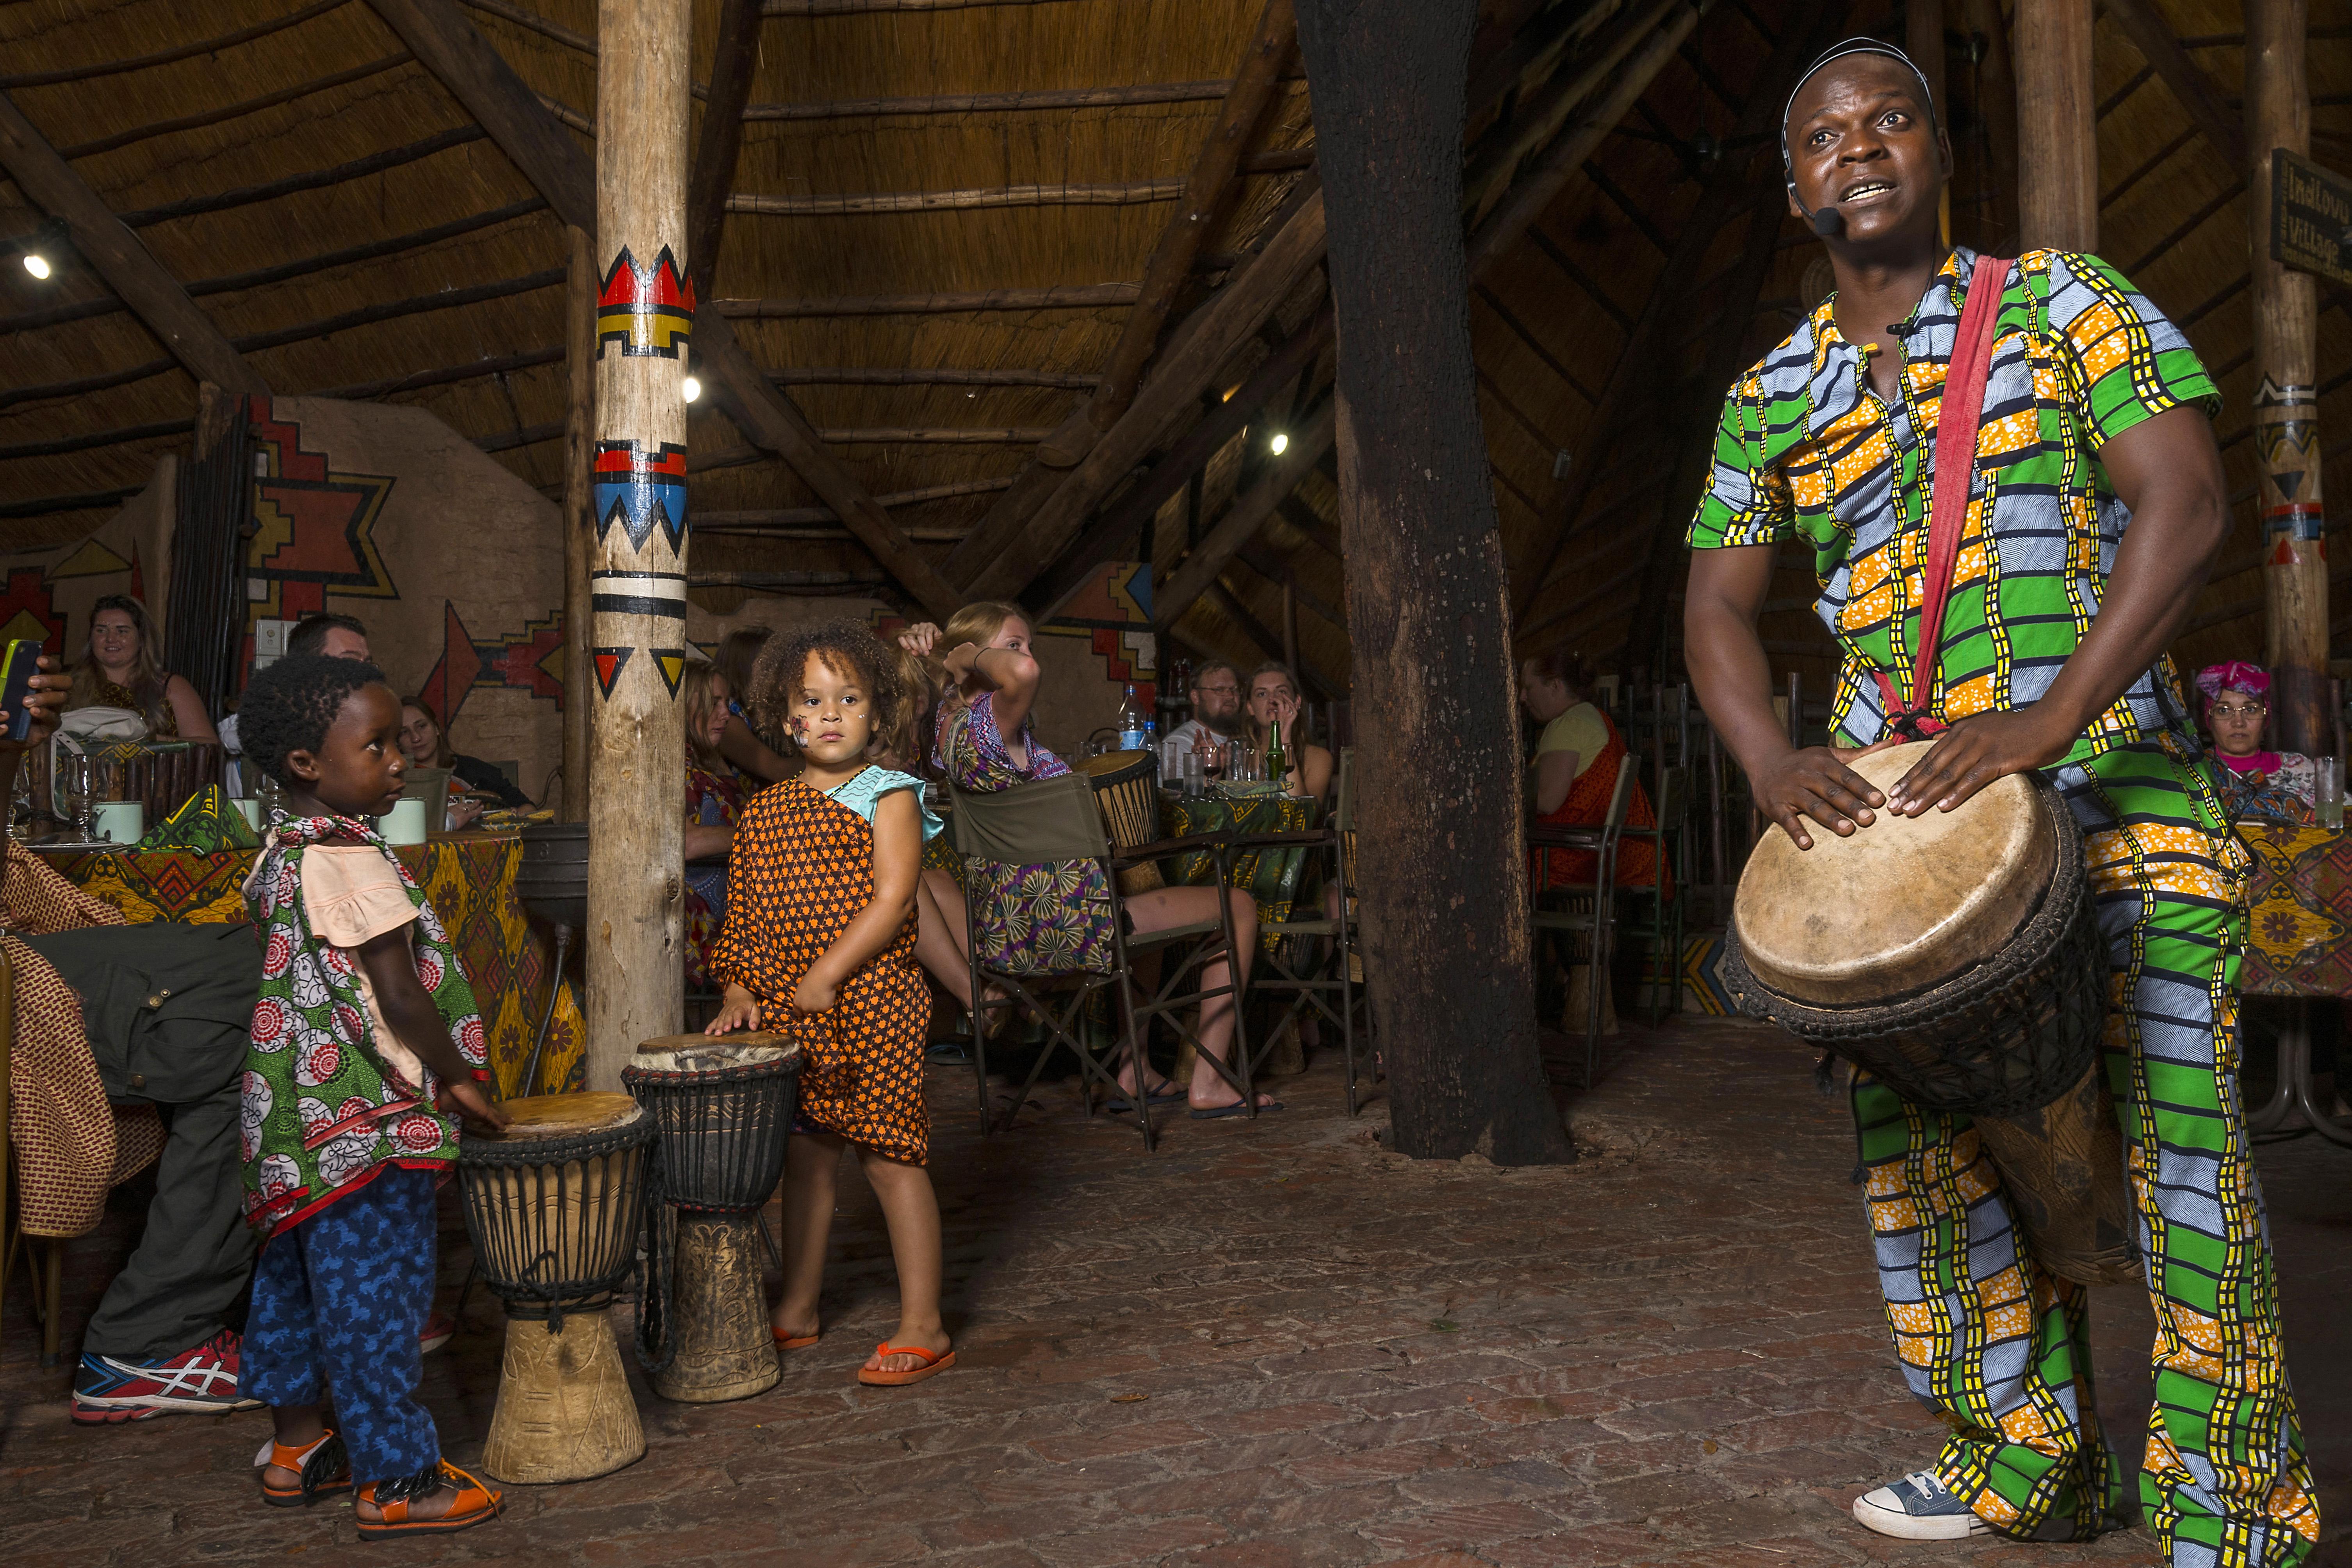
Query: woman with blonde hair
{"x": 121, "y": 666}
{"x": 713, "y": 801}
{"x": 1054, "y": 917}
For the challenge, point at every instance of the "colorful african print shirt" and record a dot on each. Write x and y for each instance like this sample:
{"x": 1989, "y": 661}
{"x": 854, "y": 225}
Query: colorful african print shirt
{"x": 323, "y": 1108}
{"x": 1807, "y": 451}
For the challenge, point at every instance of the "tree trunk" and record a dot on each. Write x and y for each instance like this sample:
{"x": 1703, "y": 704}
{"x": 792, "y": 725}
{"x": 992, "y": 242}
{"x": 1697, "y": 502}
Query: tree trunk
{"x": 1444, "y": 842}
{"x": 2058, "y": 164}
{"x": 2286, "y": 410}
{"x": 636, "y": 845}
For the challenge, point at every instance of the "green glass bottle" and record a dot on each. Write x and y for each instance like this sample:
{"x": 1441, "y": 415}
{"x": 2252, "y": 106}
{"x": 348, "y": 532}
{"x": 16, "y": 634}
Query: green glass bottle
{"x": 1277, "y": 766}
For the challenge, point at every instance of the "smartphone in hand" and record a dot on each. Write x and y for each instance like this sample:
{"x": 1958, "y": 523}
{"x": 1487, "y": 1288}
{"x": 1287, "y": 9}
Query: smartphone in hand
{"x": 18, "y": 667}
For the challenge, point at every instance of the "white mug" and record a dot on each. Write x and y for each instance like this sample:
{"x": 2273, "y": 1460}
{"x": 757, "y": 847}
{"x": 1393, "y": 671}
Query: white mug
{"x": 403, "y": 823}
{"x": 121, "y": 821}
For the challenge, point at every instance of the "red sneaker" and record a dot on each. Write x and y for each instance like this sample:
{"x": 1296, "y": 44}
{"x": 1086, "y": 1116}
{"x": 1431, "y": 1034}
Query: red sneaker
{"x": 438, "y": 1328}
{"x": 109, "y": 1389}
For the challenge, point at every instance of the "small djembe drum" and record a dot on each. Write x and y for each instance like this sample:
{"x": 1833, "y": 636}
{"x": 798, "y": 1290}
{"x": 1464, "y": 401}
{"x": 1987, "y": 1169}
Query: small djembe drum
{"x": 1127, "y": 789}
{"x": 724, "y": 1107}
{"x": 554, "y": 1204}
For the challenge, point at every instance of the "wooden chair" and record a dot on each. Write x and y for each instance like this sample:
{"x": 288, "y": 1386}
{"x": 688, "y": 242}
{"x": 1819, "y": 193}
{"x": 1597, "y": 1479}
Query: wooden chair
{"x": 45, "y": 1257}
{"x": 1058, "y": 820}
{"x": 1587, "y": 913}
{"x": 1308, "y": 960}
{"x": 1658, "y": 908}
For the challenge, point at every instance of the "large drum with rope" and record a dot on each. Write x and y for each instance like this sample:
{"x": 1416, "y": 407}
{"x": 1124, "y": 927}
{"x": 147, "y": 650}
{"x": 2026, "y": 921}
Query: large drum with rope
{"x": 1956, "y": 957}
{"x": 724, "y": 1107}
{"x": 554, "y": 1204}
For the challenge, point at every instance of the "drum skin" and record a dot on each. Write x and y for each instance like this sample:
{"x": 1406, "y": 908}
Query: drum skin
{"x": 1127, "y": 789}
{"x": 1901, "y": 905}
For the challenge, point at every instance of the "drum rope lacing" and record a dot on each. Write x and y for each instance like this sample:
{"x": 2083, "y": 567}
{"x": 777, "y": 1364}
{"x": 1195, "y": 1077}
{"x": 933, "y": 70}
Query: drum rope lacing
{"x": 516, "y": 1254}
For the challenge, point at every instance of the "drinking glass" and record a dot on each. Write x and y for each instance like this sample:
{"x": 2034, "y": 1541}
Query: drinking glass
{"x": 2330, "y": 793}
{"x": 82, "y": 784}
{"x": 1190, "y": 770}
{"x": 1240, "y": 762}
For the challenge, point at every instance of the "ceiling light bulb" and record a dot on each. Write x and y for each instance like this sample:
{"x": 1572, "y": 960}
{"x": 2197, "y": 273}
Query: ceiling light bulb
{"x": 1279, "y": 445}
{"x": 36, "y": 264}
{"x": 690, "y": 388}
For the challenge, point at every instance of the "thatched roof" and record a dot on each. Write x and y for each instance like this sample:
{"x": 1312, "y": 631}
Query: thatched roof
{"x": 244, "y": 140}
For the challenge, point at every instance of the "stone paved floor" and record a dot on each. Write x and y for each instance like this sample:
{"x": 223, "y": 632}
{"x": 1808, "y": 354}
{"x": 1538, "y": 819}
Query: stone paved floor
{"x": 1266, "y": 1345}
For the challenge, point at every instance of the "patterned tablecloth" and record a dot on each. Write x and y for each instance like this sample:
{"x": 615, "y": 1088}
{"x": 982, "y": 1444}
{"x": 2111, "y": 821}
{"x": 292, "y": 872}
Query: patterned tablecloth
{"x": 468, "y": 876}
{"x": 1274, "y": 877}
{"x": 2299, "y": 940}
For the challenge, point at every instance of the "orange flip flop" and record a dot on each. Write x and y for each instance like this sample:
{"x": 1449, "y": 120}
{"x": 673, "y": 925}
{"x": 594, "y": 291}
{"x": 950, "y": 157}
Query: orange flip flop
{"x": 933, "y": 1360}
{"x": 795, "y": 1342}
{"x": 476, "y": 1504}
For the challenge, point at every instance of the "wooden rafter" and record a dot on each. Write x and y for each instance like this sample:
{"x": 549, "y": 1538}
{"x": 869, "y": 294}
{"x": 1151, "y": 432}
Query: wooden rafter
{"x": 1267, "y": 640}
{"x": 733, "y": 61}
{"x": 165, "y": 57}
{"x": 457, "y": 54}
{"x": 1243, "y": 519}
{"x": 1060, "y": 297}
{"x": 137, "y": 279}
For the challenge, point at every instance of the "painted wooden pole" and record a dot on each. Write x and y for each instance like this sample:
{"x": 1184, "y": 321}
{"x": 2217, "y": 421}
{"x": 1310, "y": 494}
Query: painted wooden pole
{"x": 2287, "y": 413}
{"x": 2058, "y": 133}
{"x": 1995, "y": 84}
{"x": 1445, "y": 913}
{"x": 1923, "y": 40}
{"x": 579, "y": 526}
{"x": 637, "y": 907}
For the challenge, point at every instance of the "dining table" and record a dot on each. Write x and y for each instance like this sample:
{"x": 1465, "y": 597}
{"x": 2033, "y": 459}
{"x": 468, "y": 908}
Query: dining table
{"x": 467, "y": 876}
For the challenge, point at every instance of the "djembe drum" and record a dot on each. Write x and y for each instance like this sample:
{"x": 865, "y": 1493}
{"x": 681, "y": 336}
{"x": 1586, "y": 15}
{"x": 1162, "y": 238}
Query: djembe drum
{"x": 1956, "y": 956}
{"x": 1127, "y": 790}
{"x": 724, "y": 1107}
{"x": 554, "y": 1204}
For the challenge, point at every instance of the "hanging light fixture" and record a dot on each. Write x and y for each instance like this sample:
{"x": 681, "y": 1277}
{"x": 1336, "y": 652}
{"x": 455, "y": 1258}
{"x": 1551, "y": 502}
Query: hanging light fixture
{"x": 45, "y": 240}
{"x": 1279, "y": 445}
{"x": 690, "y": 388}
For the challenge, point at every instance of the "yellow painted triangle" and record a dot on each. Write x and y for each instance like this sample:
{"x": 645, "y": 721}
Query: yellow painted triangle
{"x": 92, "y": 560}
{"x": 26, "y": 625}
{"x": 672, "y": 663}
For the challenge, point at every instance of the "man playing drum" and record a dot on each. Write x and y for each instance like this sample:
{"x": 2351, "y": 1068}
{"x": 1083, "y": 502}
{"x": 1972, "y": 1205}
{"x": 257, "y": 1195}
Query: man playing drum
{"x": 2096, "y": 504}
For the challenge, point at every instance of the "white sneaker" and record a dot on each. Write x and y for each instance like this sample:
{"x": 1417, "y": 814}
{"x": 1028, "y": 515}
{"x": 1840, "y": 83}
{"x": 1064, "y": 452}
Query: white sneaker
{"x": 1919, "y": 1507}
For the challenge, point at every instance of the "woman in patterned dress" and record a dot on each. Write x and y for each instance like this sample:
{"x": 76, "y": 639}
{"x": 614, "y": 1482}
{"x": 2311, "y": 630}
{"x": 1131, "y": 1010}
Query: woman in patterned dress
{"x": 713, "y": 801}
{"x": 121, "y": 666}
{"x": 2263, "y": 787}
{"x": 1056, "y": 917}
{"x": 820, "y": 938}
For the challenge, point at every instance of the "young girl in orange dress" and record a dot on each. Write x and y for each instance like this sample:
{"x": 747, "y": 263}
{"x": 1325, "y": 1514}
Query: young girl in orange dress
{"x": 820, "y": 940}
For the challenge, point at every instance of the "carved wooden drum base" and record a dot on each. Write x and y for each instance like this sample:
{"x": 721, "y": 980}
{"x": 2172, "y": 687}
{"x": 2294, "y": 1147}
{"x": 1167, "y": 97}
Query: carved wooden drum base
{"x": 564, "y": 1412}
{"x": 2062, "y": 1168}
{"x": 718, "y": 1312}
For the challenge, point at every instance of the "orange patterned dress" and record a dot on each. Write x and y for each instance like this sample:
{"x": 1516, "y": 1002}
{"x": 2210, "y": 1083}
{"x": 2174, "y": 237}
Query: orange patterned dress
{"x": 800, "y": 871}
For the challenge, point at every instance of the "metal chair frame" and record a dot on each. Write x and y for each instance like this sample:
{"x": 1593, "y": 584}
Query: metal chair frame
{"x": 1600, "y": 922}
{"x": 1209, "y": 941}
{"x": 1664, "y": 926}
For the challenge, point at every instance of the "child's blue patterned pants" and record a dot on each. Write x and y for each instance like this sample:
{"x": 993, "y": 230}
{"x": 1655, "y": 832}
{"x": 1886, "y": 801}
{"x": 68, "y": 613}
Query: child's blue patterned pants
{"x": 338, "y": 1304}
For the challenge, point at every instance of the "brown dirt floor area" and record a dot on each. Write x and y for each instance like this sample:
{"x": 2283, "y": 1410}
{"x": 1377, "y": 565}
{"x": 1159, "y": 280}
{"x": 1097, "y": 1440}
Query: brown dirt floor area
{"x": 1266, "y": 1344}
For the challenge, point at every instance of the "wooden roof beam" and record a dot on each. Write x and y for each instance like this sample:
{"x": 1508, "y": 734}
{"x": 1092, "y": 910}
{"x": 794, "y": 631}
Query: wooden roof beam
{"x": 165, "y": 57}
{"x": 1071, "y": 297}
{"x": 2154, "y": 38}
{"x": 454, "y": 51}
{"x": 137, "y": 279}
{"x": 1243, "y": 519}
{"x": 1206, "y": 338}
{"x": 1268, "y": 643}
{"x": 733, "y": 60}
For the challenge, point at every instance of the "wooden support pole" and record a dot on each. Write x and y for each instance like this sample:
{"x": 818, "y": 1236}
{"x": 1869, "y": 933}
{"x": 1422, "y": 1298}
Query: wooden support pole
{"x": 137, "y": 279}
{"x": 1996, "y": 93}
{"x": 2058, "y": 164}
{"x": 636, "y": 906}
{"x": 2286, "y": 406}
{"x": 579, "y": 523}
{"x": 1446, "y": 928}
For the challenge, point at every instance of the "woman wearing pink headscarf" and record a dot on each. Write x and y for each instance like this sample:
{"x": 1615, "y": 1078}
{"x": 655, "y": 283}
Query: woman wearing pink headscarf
{"x": 2274, "y": 786}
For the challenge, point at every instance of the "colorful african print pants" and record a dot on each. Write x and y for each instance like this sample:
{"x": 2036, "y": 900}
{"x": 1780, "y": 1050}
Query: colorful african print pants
{"x": 337, "y": 1304}
{"x": 2001, "y": 1347}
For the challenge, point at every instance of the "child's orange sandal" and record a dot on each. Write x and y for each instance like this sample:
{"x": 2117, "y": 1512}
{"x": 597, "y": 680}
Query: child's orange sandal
{"x": 324, "y": 1468}
{"x": 792, "y": 1341}
{"x": 933, "y": 1362}
{"x": 476, "y": 1504}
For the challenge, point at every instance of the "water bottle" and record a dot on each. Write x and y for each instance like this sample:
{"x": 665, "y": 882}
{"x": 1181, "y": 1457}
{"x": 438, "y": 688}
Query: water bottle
{"x": 1134, "y": 726}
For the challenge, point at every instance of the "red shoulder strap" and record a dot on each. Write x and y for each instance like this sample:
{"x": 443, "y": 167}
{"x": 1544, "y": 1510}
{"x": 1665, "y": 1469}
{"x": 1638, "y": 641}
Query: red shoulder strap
{"x": 1957, "y": 423}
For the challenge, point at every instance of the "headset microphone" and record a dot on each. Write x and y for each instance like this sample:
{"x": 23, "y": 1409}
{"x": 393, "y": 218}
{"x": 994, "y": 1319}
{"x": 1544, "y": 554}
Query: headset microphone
{"x": 1828, "y": 221}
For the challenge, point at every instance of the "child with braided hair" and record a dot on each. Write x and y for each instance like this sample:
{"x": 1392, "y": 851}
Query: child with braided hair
{"x": 365, "y": 1044}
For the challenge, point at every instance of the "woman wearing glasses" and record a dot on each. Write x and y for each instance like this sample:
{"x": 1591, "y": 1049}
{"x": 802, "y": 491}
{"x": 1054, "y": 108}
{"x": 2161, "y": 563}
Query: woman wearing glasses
{"x": 2256, "y": 785}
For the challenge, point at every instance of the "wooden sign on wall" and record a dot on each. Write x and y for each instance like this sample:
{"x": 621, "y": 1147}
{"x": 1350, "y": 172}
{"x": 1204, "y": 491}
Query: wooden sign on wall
{"x": 2311, "y": 217}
